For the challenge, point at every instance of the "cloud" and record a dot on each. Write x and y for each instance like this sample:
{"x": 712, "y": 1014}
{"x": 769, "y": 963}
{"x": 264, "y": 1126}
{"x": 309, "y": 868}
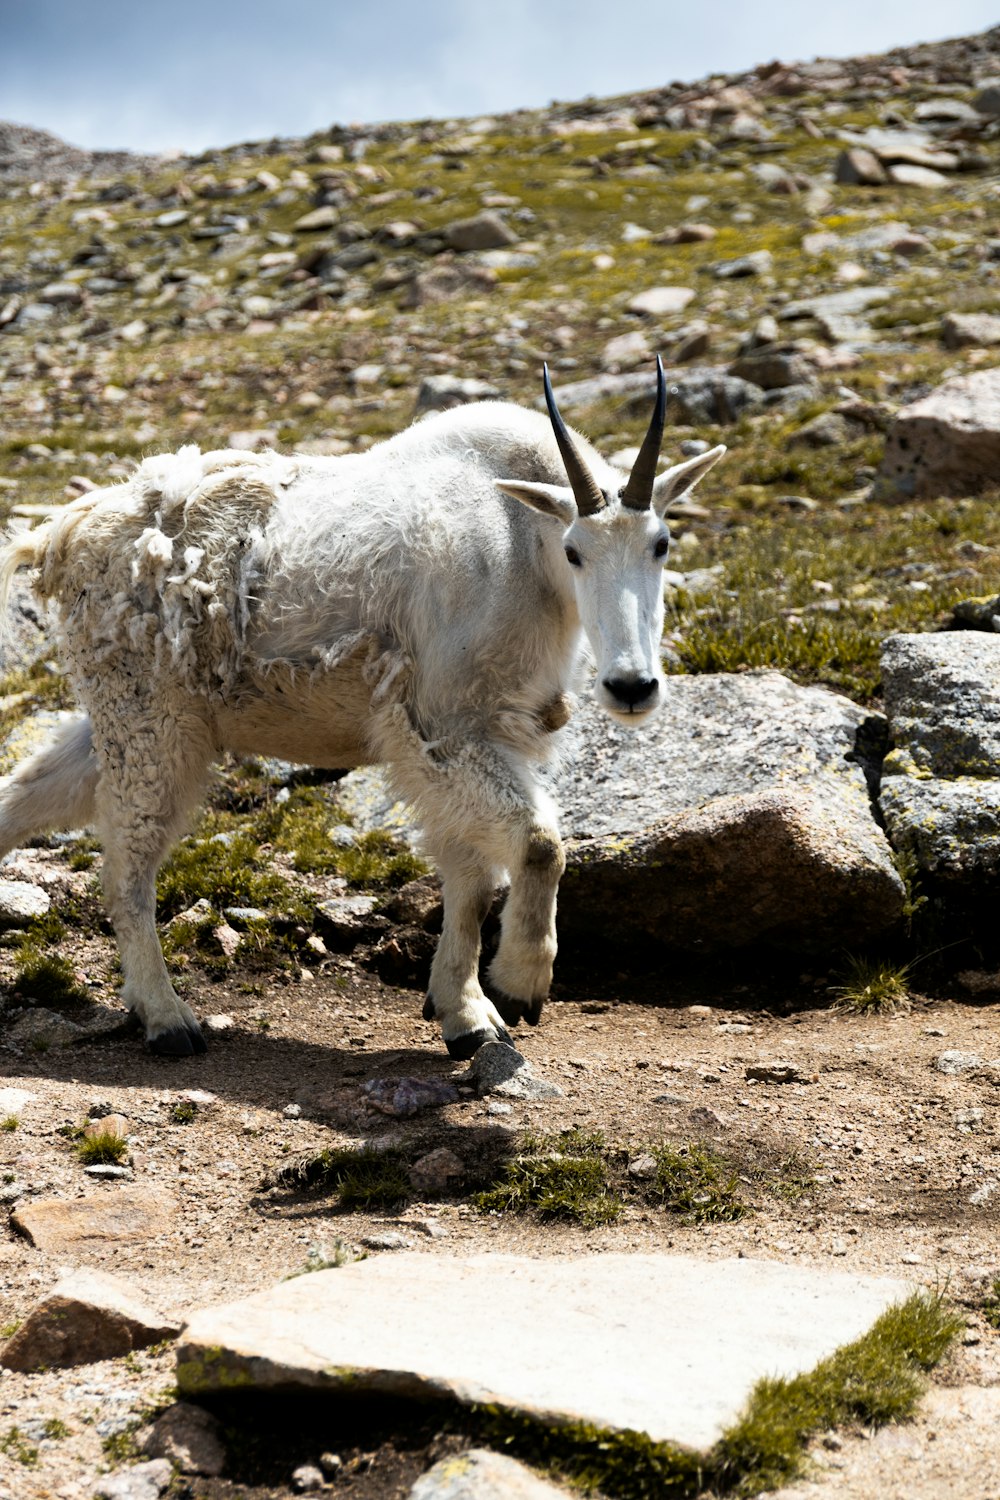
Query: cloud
{"x": 195, "y": 74}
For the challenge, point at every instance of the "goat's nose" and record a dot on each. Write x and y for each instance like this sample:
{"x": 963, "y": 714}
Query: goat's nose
{"x": 632, "y": 691}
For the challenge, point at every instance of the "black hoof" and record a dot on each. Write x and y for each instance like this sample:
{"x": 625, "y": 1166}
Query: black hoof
{"x": 468, "y": 1044}
{"x": 179, "y": 1041}
{"x": 513, "y": 1010}
{"x": 429, "y": 1011}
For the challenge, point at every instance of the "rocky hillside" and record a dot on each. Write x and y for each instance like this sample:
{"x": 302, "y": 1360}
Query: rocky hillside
{"x": 810, "y": 246}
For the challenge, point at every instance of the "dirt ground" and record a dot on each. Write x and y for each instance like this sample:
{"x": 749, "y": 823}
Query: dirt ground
{"x": 897, "y": 1149}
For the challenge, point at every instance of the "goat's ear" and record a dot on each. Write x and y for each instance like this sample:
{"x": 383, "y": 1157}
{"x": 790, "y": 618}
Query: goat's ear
{"x": 681, "y": 478}
{"x": 550, "y": 499}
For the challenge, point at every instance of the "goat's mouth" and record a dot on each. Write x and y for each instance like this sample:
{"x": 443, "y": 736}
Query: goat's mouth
{"x": 630, "y": 703}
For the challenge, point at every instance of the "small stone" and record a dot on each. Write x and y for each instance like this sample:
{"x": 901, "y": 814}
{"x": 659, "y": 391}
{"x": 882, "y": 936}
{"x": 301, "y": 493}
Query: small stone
{"x": 139, "y": 1482}
{"x": 405, "y": 1097}
{"x": 777, "y": 1072}
{"x": 626, "y": 350}
{"x": 498, "y": 1108}
{"x": 642, "y": 1167}
{"x": 984, "y": 1194}
{"x": 108, "y": 1172}
{"x": 442, "y": 392}
{"x": 386, "y": 1239}
{"x": 860, "y": 167}
{"x": 435, "y": 1172}
{"x": 481, "y": 1474}
{"x": 307, "y": 1477}
{"x": 319, "y": 218}
{"x": 172, "y": 218}
{"x": 217, "y": 1023}
{"x": 242, "y": 917}
{"x": 21, "y": 902}
{"x": 660, "y": 301}
{"x": 331, "y": 1464}
{"x": 968, "y": 330}
{"x": 483, "y": 232}
{"x": 499, "y": 1069}
{"x": 756, "y": 264}
{"x": 189, "y": 1436}
{"x": 954, "y": 1061}
{"x": 39, "y": 1029}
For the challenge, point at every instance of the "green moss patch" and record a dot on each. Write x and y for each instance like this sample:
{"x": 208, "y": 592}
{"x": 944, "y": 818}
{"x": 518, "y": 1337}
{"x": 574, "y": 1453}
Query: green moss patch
{"x": 577, "y": 1176}
{"x": 877, "y": 1379}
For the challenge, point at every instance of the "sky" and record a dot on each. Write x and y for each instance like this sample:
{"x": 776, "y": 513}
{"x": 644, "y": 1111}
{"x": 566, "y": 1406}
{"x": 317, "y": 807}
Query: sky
{"x": 195, "y": 74}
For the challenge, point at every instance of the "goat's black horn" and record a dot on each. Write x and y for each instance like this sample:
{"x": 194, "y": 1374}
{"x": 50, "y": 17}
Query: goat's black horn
{"x": 587, "y": 492}
{"x": 638, "y": 493}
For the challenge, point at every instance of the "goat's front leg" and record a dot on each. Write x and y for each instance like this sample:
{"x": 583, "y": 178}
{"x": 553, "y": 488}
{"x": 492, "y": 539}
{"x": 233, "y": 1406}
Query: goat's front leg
{"x": 454, "y": 997}
{"x": 520, "y": 975}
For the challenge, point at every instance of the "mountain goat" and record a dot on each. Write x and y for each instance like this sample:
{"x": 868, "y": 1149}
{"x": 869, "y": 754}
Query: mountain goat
{"x": 423, "y": 604}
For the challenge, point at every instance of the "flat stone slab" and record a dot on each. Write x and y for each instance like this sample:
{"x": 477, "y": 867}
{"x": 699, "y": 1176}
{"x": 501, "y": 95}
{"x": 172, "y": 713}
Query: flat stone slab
{"x": 560, "y": 1339}
{"x": 117, "y": 1215}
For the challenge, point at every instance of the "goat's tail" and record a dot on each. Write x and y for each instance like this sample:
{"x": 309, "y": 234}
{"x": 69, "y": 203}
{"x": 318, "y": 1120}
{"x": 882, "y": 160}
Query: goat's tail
{"x": 22, "y": 549}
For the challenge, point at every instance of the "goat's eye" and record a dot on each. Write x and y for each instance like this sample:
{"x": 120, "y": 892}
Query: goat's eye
{"x": 573, "y": 557}
{"x": 661, "y": 548}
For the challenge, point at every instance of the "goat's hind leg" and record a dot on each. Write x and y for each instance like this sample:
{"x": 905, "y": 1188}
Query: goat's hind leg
{"x": 53, "y": 789}
{"x": 153, "y": 765}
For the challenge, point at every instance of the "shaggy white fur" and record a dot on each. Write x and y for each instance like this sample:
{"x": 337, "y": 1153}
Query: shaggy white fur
{"x": 412, "y": 605}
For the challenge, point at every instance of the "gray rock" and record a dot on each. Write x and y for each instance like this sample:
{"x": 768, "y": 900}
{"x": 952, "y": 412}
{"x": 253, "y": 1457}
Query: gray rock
{"x": 38, "y": 1029}
{"x": 968, "y": 330}
{"x": 483, "y": 232}
{"x": 436, "y": 1171}
{"x": 908, "y": 175}
{"x": 479, "y": 1474}
{"x": 498, "y": 1069}
{"x": 987, "y": 101}
{"x": 772, "y": 368}
{"x": 139, "y": 1482}
{"x": 741, "y": 784}
{"x": 88, "y": 1315}
{"x": 447, "y": 283}
{"x": 940, "y": 792}
{"x": 344, "y": 921}
{"x": 948, "y": 443}
{"x": 957, "y": 1062}
{"x": 860, "y": 167}
{"x": 702, "y": 1332}
{"x": 307, "y": 1477}
{"x": 659, "y": 301}
{"x": 21, "y": 902}
{"x": 442, "y": 392}
{"x": 828, "y": 430}
{"x": 754, "y": 264}
{"x": 710, "y": 396}
{"x": 839, "y": 314}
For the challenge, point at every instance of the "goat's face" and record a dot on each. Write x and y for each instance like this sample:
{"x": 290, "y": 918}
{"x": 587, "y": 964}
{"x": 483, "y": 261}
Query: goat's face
{"x": 615, "y": 539}
{"x": 616, "y": 560}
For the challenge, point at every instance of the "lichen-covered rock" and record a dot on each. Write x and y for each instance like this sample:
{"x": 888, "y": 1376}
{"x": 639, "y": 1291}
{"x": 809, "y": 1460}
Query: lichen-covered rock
{"x": 940, "y": 792}
{"x": 948, "y": 443}
{"x": 479, "y": 1474}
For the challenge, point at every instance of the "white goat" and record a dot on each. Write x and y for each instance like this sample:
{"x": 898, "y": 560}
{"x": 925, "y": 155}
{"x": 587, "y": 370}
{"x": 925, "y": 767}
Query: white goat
{"x": 422, "y": 604}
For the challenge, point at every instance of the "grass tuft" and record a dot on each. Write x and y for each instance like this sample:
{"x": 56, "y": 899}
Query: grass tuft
{"x": 360, "y": 1177}
{"x": 990, "y": 1306}
{"x": 107, "y": 1148}
{"x": 10, "y": 1123}
{"x": 327, "y": 1258}
{"x": 696, "y": 1183}
{"x": 872, "y": 986}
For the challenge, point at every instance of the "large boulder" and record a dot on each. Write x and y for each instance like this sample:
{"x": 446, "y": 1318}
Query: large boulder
{"x": 940, "y": 792}
{"x": 948, "y": 443}
{"x": 741, "y": 813}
